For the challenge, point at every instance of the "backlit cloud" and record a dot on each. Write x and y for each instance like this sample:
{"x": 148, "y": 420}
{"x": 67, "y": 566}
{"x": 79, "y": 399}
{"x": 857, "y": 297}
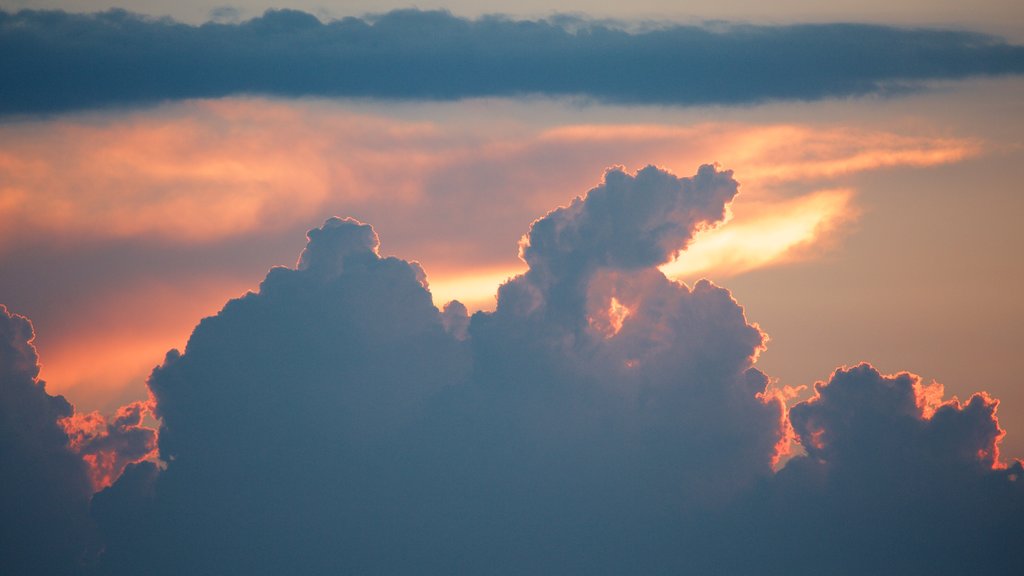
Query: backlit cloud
{"x": 535, "y": 437}
{"x": 603, "y": 418}
{"x": 765, "y": 234}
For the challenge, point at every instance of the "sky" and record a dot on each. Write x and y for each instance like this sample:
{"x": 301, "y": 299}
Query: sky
{"x": 720, "y": 272}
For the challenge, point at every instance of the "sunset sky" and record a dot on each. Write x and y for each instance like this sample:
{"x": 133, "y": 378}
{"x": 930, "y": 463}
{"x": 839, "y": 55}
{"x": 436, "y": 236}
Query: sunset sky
{"x": 156, "y": 163}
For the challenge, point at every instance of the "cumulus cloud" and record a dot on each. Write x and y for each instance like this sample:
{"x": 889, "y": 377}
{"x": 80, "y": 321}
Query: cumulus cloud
{"x": 44, "y": 487}
{"x": 338, "y": 407}
{"x": 603, "y": 419}
{"x": 896, "y": 480}
{"x": 65, "y": 61}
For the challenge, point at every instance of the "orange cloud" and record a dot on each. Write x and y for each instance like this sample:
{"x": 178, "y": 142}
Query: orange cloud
{"x": 764, "y": 234}
{"x": 768, "y": 155}
{"x": 198, "y": 171}
{"x": 203, "y": 171}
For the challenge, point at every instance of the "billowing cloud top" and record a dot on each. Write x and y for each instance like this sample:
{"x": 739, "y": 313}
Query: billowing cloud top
{"x": 60, "y": 61}
{"x": 603, "y": 419}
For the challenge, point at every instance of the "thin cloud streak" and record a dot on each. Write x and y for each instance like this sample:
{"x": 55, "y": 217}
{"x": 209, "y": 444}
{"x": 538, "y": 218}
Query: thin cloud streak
{"x": 768, "y": 234}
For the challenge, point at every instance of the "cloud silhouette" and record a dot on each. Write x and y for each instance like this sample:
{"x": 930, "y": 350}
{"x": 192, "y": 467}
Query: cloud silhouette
{"x": 44, "y": 487}
{"x": 66, "y": 61}
{"x": 337, "y": 407}
{"x": 603, "y": 419}
{"x": 896, "y": 481}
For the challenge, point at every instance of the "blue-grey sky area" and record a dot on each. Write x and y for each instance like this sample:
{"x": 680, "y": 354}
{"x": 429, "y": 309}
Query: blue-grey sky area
{"x": 579, "y": 289}
{"x": 71, "y": 61}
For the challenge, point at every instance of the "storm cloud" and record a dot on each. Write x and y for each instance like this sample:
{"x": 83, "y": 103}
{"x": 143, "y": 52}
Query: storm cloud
{"x": 54, "y": 61}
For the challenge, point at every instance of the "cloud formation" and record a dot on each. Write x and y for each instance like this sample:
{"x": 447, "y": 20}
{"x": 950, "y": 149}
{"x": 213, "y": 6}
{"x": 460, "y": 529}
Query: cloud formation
{"x": 603, "y": 419}
{"x": 108, "y": 447}
{"x": 916, "y": 481}
{"x": 44, "y": 488}
{"x": 70, "y": 61}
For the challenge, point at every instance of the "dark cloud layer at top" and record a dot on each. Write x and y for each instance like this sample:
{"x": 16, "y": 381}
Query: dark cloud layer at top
{"x": 54, "y": 61}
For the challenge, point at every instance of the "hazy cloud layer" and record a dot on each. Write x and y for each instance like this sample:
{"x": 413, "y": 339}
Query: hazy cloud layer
{"x": 61, "y": 61}
{"x": 603, "y": 419}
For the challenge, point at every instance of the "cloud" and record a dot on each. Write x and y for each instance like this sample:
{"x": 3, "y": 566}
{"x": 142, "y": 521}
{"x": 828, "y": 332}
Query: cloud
{"x": 338, "y": 408}
{"x": 603, "y": 419}
{"x": 305, "y": 394}
{"x": 108, "y": 447}
{"x": 70, "y": 61}
{"x": 765, "y": 234}
{"x": 44, "y": 489}
{"x": 917, "y": 481}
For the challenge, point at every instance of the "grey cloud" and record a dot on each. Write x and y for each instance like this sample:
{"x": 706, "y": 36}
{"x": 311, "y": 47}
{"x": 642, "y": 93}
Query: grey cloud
{"x": 887, "y": 486}
{"x": 603, "y": 419}
{"x": 44, "y": 489}
{"x": 57, "y": 61}
{"x": 336, "y": 420}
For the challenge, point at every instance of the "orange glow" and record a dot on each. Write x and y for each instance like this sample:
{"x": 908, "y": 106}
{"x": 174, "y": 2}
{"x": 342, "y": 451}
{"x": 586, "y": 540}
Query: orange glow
{"x": 202, "y": 171}
{"x": 763, "y": 234}
{"x": 929, "y": 397}
{"x": 772, "y": 154}
{"x": 608, "y": 322}
{"x": 476, "y": 289}
{"x": 617, "y": 314}
{"x": 117, "y": 340}
{"x": 107, "y": 447}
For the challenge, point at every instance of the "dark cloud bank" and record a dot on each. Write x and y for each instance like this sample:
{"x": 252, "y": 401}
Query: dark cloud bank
{"x": 52, "y": 61}
{"x": 603, "y": 419}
